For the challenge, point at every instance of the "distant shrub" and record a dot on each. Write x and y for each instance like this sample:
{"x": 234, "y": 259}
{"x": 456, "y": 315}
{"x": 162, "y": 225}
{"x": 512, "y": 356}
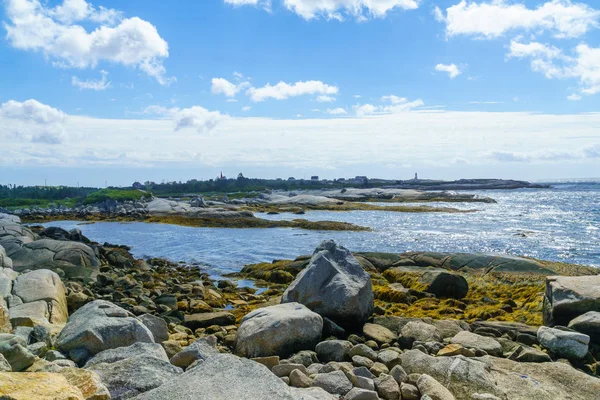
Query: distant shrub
{"x": 114, "y": 194}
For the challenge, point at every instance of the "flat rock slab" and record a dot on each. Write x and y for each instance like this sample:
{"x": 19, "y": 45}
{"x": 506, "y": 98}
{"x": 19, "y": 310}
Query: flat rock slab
{"x": 38, "y": 386}
{"x": 204, "y": 320}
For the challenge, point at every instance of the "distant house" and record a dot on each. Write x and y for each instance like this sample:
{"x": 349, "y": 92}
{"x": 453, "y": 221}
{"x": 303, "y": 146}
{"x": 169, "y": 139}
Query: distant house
{"x": 221, "y": 177}
{"x": 137, "y": 185}
{"x": 314, "y": 178}
{"x": 291, "y": 178}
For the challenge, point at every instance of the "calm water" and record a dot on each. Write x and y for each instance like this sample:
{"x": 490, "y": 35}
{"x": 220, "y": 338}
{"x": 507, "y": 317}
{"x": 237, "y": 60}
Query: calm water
{"x": 562, "y": 223}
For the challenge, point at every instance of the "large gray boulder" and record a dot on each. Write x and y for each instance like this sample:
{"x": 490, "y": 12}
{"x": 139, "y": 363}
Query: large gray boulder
{"x": 98, "y": 326}
{"x": 278, "y": 330}
{"x": 43, "y": 296}
{"x": 503, "y": 378}
{"x": 43, "y": 251}
{"x": 588, "y": 323}
{"x": 568, "y": 297}
{"x": 440, "y": 282}
{"x": 564, "y": 342}
{"x": 223, "y": 376}
{"x": 334, "y": 285}
{"x": 129, "y": 371}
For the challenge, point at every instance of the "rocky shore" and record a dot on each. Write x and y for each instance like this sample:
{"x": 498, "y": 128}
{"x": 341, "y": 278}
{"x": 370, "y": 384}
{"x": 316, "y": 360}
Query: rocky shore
{"x": 240, "y": 212}
{"x": 81, "y": 320}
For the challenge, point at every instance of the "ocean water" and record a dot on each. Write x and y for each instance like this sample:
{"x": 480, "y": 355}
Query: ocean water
{"x": 561, "y": 224}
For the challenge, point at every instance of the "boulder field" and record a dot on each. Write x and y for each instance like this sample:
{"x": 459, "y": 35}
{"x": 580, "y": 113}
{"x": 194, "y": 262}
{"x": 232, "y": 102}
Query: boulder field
{"x": 330, "y": 326}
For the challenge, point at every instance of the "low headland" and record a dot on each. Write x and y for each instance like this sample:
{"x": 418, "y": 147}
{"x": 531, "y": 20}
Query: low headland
{"x": 83, "y": 320}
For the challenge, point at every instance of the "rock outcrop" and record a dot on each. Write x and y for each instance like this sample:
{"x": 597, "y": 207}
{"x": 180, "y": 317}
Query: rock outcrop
{"x": 568, "y": 297}
{"x": 334, "y": 285}
{"x": 223, "y": 377}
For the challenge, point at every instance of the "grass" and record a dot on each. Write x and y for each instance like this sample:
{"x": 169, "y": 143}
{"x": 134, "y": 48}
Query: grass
{"x": 114, "y": 194}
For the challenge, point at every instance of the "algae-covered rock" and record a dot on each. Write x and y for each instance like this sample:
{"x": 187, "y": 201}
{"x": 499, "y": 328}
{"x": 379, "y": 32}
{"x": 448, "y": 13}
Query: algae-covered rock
{"x": 334, "y": 285}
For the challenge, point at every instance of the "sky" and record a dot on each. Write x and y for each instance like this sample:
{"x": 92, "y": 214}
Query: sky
{"x": 110, "y": 92}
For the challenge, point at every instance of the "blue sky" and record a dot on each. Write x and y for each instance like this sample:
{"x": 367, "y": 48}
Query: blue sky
{"x": 109, "y": 90}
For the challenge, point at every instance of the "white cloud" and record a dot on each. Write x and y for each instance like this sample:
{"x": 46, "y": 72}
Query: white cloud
{"x": 325, "y": 99}
{"x": 54, "y": 32}
{"x": 91, "y": 84}
{"x": 584, "y": 65}
{"x": 338, "y": 9}
{"x": 356, "y": 96}
{"x": 564, "y": 18}
{"x": 393, "y": 99}
{"x": 246, "y": 108}
{"x": 241, "y": 2}
{"x": 397, "y": 105}
{"x": 452, "y": 70}
{"x": 427, "y": 140}
{"x": 229, "y": 89}
{"x": 336, "y": 111}
{"x": 574, "y": 97}
{"x": 33, "y": 121}
{"x": 486, "y": 102}
{"x": 195, "y": 117}
{"x": 283, "y": 90}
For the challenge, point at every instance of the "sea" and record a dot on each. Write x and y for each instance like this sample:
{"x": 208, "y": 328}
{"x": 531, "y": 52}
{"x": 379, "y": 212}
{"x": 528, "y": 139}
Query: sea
{"x": 561, "y": 223}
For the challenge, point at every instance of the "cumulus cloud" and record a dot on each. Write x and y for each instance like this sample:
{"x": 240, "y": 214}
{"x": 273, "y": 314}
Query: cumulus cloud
{"x": 283, "y": 90}
{"x": 197, "y": 118}
{"x": 229, "y": 89}
{"x": 451, "y": 69}
{"x": 393, "y": 99}
{"x": 60, "y": 34}
{"x": 339, "y": 9}
{"x": 336, "y": 111}
{"x": 91, "y": 84}
{"x": 584, "y": 65}
{"x": 563, "y": 18}
{"x": 33, "y": 121}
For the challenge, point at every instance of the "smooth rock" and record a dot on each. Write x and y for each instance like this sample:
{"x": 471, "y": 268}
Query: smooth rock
{"x": 568, "y": 297}
{"x": 37, "y": 386}
{"x": 201, "y": 349}
{"x": 334, "y": 285}
{"x": 334, "y": 382}
{"x": 122, "y": 353}
{"x": 333, "y": 350}
{"x": 278, "y": 330}
{"x": 379, "y": 333}
{"x": 224, "y": 377}
{"x": 567, "y": 344}
{"x": 43, "y": 285}
{"x": 204, "y": 320}
{"x": 100, "y": 325}
{"x": 361, "y": 394}
{"x": 88, "y": 382}
{"x": 156, "y": 325}
{"x": 432, "y": 388}
{"x": 417, "y": 330}
{"x": 588, "y": 324}
{"x": 132, "y": 376}
{"x": 299, "y": 379}
{"x": 472, "y": 340}
{"x": 387, "y": 387}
